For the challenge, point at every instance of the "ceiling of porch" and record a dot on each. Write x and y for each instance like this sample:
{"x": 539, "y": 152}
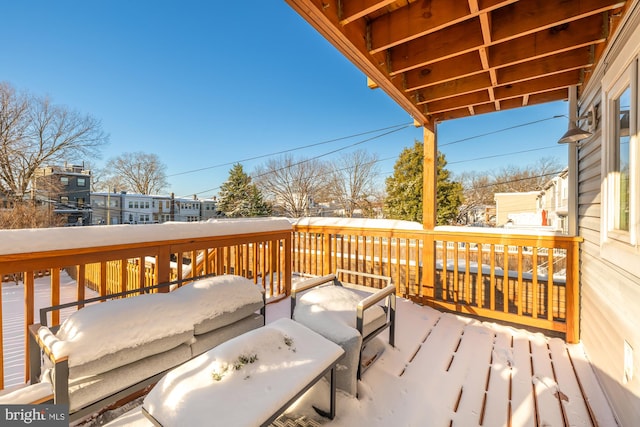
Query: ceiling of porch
{"x": 446, "y": 59}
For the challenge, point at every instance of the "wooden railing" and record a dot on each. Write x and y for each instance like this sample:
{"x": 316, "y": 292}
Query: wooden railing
{"x": 519, "y": 278}
{"x": 263, "y": 256}
{"x": 524, "y": 279}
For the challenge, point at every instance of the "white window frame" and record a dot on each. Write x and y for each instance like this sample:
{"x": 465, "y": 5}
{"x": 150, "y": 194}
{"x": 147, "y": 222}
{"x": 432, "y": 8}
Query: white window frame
{"x": 618, "y": 246}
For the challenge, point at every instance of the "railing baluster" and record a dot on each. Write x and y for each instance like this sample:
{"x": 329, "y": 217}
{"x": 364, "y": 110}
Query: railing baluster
{"x": 55, "y": 295}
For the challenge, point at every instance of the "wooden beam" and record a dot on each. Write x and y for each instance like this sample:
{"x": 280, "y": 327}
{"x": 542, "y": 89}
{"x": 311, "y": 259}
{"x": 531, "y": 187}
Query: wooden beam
{"x": 455, "y": 88}
{"x": 566, "y": 38}
{"x": 443, "y": 71}
{"x": 422, "y": 18}
{"x": 447, "y": 43}
{"x": 415, "y": 20}
{"x": 463, "y": 101}
{"x": 356, "y": 9}
{"x": 542, "y": 84}
{"x": 530, "y": 16}
{"x": 545, "y": 66}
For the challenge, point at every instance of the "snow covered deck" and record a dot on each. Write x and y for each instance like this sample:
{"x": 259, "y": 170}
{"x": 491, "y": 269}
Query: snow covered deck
{"x": 451, "y": 370}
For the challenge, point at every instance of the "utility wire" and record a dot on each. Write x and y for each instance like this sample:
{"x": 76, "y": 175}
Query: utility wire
{"x": 501, "y": 130}
{"x": 321, "y": 155}
{"x": 401, "y": 126}
{"x": 504, "y": 155}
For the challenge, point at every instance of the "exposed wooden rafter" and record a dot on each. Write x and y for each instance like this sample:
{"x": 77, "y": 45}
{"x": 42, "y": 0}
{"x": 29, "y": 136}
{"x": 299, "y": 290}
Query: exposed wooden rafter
{"x": 444, "y": 59}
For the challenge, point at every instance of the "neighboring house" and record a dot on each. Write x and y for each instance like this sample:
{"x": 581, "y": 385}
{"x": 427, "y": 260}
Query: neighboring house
{"x": 517, "y": 209}
{"x": 553, "y": 201}
{"x": 186, "y": 210}
{"x": 107, "y": 208}
{"x": 162, "y": 209}
{"x": 608, "y": 206}
{"x": 67, "y": 188}
{"x": 208, "y": 209}
{"x": 137, "y": 208}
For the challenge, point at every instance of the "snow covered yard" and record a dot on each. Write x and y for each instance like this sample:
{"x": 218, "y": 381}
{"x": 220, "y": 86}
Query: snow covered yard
{"x": 451, "y": 370}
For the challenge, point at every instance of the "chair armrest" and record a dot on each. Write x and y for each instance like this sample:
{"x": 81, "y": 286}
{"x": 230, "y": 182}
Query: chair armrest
{"x": 308, "y": 284}
{"x": 41, "y": 338}
{"x": 45, "y": 339}
{"x": 388, "y": 291}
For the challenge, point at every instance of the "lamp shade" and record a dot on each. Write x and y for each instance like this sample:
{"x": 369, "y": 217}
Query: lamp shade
{"x": 573, "y": 135}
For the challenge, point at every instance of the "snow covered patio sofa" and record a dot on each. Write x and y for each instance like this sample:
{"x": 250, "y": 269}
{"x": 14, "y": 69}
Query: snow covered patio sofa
{"x": 110, "y": 350}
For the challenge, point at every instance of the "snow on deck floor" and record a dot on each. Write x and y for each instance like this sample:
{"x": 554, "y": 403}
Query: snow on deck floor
{"x": 448, "y": 370}
{"x": 13, "y": 319}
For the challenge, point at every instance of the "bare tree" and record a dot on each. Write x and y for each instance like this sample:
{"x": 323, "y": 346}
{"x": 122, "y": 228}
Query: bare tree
{"x": 34, "y": 132}
{"x": 352, "y": 181}
{"x": 30, "y": 215}
{"x": 291, "y": 184}
{"x": 138, "y": 172}
{"x": 526, "y": 178}
{"x": 479, "y": 188}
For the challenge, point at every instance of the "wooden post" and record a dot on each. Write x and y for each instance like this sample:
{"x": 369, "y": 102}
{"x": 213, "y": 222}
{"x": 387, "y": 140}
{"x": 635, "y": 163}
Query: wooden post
{"x": 326, "y": 254}
{"x": 429, "y": 185}
{"x": 55, "y": 295}
{"x": 1, "y": 335}
{"x": 163, "y": 270}
{"x": 28, "y": 316}
{"x": 573, "y": 294}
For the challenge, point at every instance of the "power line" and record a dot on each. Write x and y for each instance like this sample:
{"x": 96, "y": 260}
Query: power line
{"x": 501, "y": 130}
{"x": 505, "y": 154}
{"x": 401, "y": 126}
{"x": 321, "y": 155}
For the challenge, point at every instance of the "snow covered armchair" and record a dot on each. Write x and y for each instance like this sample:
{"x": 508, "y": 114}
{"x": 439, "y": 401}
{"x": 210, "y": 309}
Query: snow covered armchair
{"x": 347, "y": 314}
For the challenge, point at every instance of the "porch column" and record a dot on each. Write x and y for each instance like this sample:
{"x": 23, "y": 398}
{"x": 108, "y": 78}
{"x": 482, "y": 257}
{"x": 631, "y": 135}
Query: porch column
{"x": 572, "y": 156}
{"x": 429, "y": 213}
{"x": 429, "y": 180}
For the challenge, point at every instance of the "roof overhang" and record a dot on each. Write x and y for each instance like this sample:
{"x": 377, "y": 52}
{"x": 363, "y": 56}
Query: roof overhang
{"x": 446, "y": 59}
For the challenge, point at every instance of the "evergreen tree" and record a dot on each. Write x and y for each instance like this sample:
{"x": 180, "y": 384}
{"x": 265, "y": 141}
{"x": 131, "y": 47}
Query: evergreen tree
{"x": 404, "y": 188}
{"x": 448, "y": 196}
{"x": 239, "y": 197}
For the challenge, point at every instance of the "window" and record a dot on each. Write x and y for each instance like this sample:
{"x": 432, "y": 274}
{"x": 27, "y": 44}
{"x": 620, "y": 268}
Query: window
{"x": 130, "y": 204}
{"x": 80, "y": 202}
{"x": 64, "y": 200}
{"x": 620, "y": 226}
{"x": 64, "y": 180}
{"x": 81, "y": 182}
{"x": 620, "y": 168}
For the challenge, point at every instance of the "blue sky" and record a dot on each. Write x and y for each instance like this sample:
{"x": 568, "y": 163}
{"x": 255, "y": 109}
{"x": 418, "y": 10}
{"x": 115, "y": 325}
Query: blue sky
{"x": 204, "y": 84}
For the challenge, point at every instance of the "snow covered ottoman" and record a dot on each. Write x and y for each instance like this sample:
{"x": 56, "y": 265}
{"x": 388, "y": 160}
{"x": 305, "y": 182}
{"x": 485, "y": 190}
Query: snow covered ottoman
{"x": 107, "y": 351}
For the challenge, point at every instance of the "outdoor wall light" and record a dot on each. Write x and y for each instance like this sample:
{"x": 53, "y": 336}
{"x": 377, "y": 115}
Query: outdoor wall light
{"x": 575, "y": 133}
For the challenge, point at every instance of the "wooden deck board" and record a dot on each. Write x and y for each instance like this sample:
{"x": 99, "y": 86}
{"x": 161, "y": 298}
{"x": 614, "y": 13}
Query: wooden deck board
{"x": 593, "y": 394}
{"x": 470, "y": 369}
{"x": 545, "y": 385}
{"x": 523, "y": 406}
{"x": 571, "y": 398}
{"x": 497, "y": 403}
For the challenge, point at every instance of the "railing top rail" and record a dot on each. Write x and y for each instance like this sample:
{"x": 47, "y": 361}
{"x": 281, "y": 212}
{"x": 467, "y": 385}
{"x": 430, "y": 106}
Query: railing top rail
{"x": 46, "y": 241}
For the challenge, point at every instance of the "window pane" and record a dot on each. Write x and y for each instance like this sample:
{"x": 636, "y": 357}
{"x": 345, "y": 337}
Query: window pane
{"x": 621, "y": 159}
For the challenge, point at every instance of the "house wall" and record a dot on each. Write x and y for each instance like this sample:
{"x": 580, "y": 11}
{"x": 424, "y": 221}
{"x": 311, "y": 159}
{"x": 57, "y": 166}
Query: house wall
{"x": 514, "y": 203}
{"x": 610, "y": 290}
